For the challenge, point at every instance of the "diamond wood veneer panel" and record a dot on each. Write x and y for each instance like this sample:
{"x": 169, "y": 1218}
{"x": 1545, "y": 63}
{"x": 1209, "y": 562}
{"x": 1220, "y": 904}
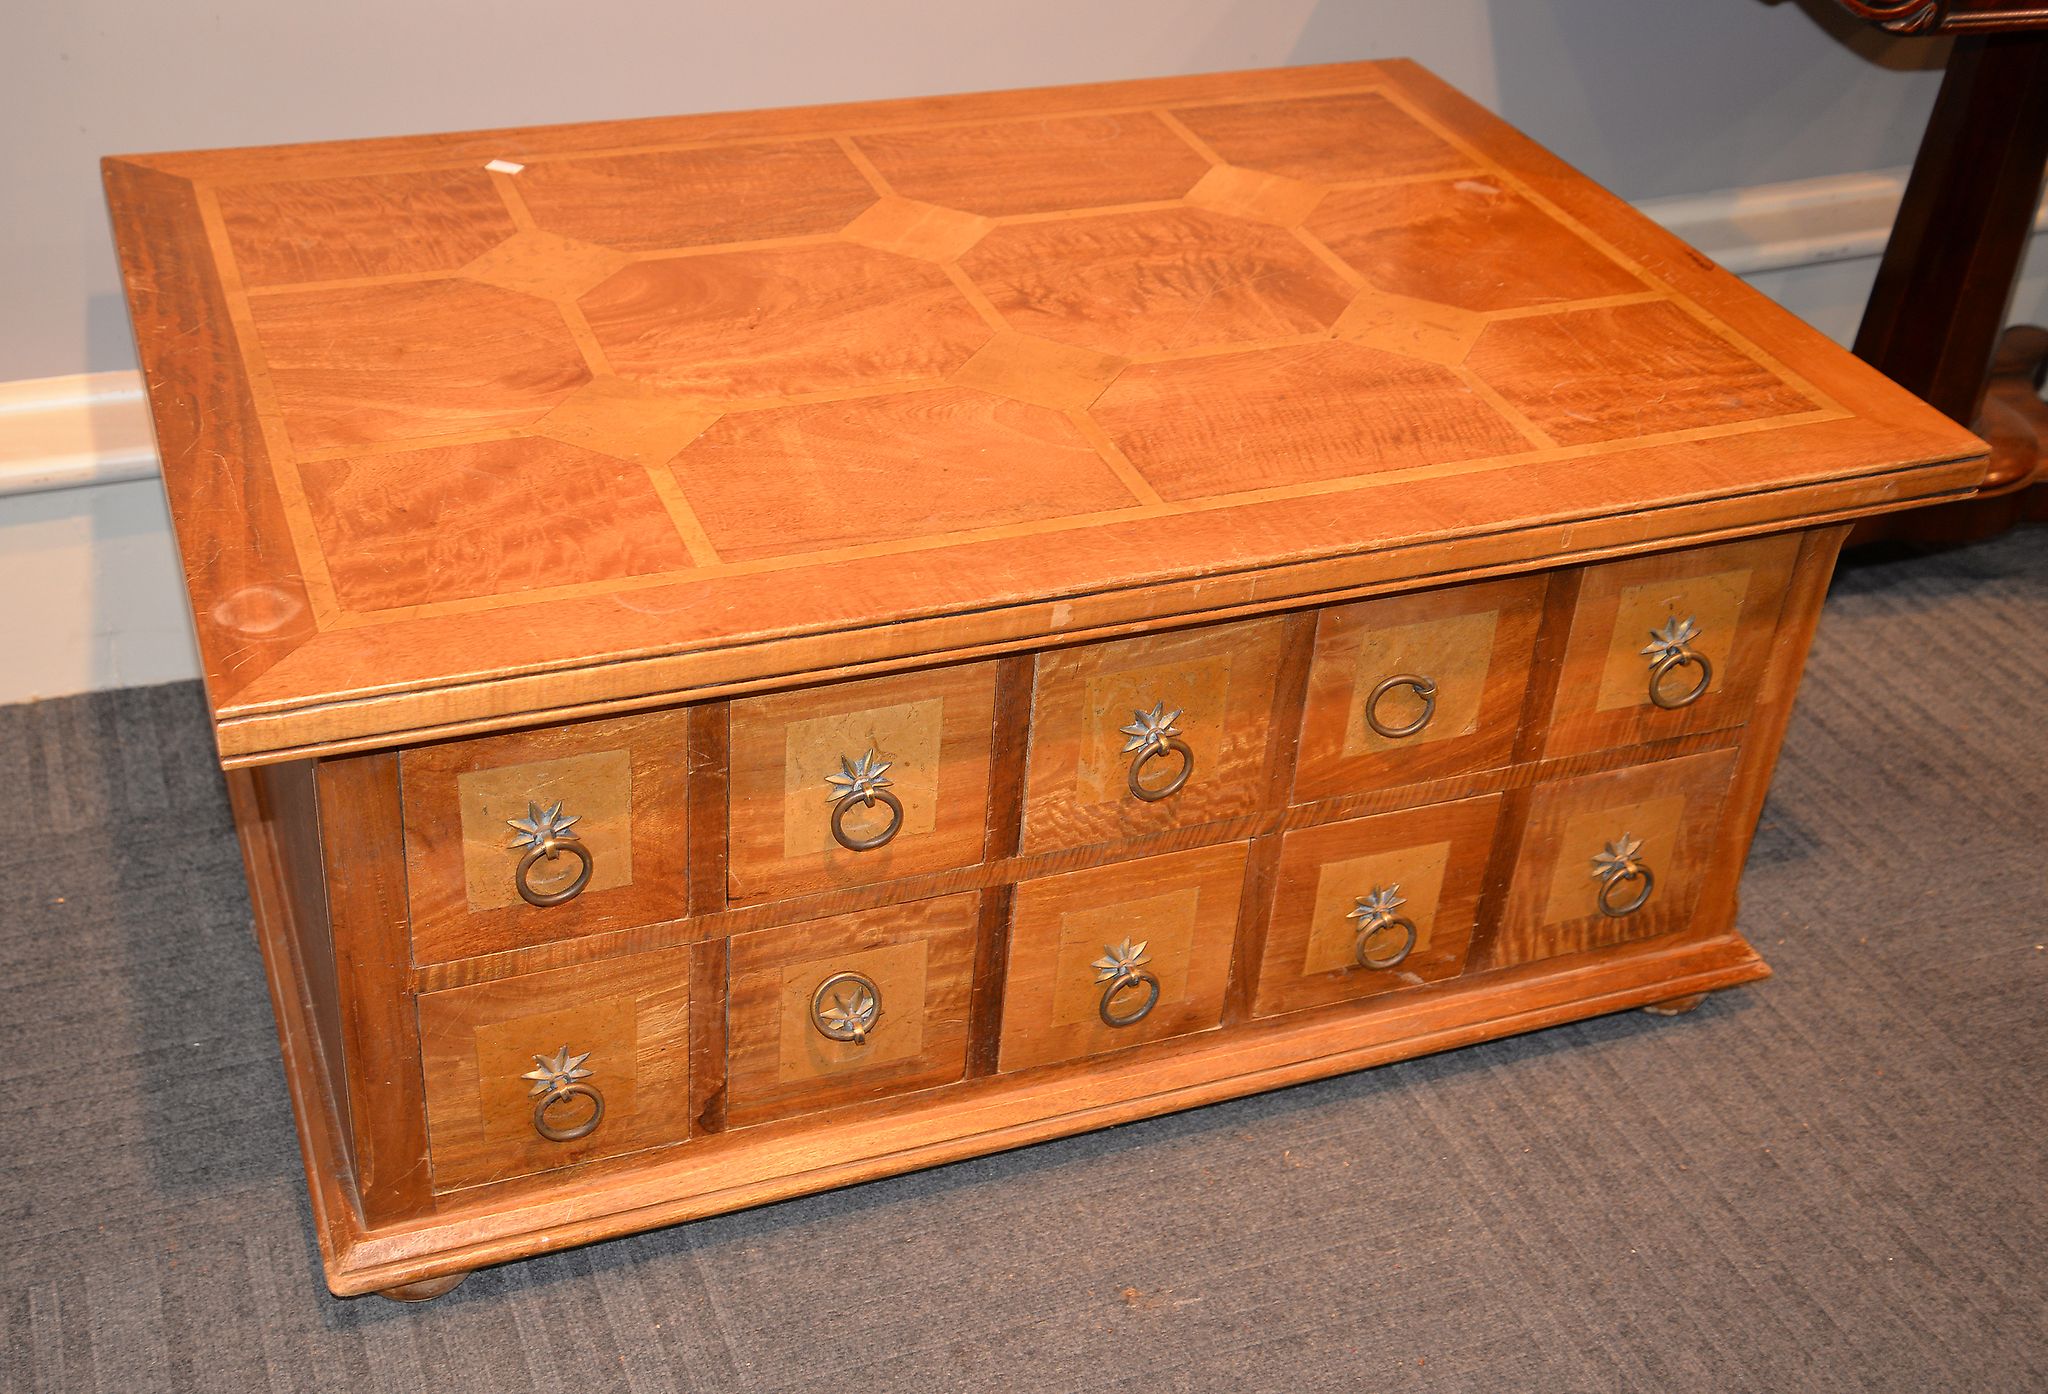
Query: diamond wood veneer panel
{"x": 643, "y": 391}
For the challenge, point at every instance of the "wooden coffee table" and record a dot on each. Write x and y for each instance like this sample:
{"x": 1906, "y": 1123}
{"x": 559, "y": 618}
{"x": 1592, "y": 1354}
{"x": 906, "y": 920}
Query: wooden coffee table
{"x": 760, "y": 651}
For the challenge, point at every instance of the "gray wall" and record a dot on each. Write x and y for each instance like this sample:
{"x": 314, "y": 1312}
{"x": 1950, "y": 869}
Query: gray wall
{"x": 1650, "y": 96}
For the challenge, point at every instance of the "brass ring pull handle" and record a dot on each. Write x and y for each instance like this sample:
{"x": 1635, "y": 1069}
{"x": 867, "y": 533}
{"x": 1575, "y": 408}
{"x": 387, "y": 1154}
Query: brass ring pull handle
{"x": 1375, "y": 916}
{"x": 846, "y": 1007}
{"x": 1422, "y": 687}
{"x": 1112, "y": 1017}
{"x": 558, "y": 1080}
{"x": 1122, "y": 967}
{"x": 1154, "y": 793}
{"x": 1670, "y": 649}
{"x": 1152, "y": 736}
{"x": 546, "y": 834}
{"x": 862, "y": 781}
{"x": 1618, "y": 866}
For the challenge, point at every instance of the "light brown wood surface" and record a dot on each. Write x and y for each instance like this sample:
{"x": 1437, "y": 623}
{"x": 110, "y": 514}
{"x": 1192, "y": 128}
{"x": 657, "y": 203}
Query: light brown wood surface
{"x": 1673, "y": 809}
{"x": 631, "y": 1016}
{"x": 1219, "y": 680}
{"x": 691, "y": 405}
{"x": 623, "y": 779}
{"x": 920, "y": 958}
{"x": 1474, "y": 643}
{"x": 1181, "y": 910}
{"x": 1435, "y": 858}
{"x": 934, "y": 731}
{"x": 1732, "y": 593}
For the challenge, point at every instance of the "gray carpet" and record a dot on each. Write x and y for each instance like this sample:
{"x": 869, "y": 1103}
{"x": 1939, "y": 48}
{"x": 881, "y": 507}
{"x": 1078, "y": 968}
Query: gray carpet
{"x": 1832, "y": 1180}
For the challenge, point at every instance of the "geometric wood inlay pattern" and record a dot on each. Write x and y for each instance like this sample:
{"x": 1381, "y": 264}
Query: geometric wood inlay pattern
{"x": 925, "y": 357}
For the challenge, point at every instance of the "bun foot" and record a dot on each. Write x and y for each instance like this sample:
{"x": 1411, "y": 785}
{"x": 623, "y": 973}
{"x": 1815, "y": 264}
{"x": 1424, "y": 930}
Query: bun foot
{"x": 1677, "y": 1006}
{"x": 425, "y": 1290}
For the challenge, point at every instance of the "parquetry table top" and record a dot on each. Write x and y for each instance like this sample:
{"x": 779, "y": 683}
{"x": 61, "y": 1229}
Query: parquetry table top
{"x": 463, "y": 429}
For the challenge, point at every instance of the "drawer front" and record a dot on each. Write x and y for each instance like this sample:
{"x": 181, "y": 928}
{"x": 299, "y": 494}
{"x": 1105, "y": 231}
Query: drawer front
{"x": 1640, "y": 840}
{"x": 526, "y": 1074}
{"x": 807, "y": 812}
{"x": 1417, "y": 687}
{"x": 856, "y": 1007}
{"x": 1187, "y": 716}
{"x": 615, "y": 844}
{"x": 1119, "y": 955}
{"x": 1693, "y": 628}
{"x": 1373, "y": 905}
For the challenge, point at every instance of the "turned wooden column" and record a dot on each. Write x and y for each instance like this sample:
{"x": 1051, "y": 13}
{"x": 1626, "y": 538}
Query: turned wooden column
{"x": 1934, "y": 320}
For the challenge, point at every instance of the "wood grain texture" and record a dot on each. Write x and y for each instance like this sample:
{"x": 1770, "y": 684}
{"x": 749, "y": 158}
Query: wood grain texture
{"x": 934, "y": 729}
{"x": 656, "y": 199}
{"x": 624, "y": 778}
{"x": 1155, "y": 281}
{"x": 1675, "y": 809}
{"x": 920, "y": 957}
{"x": 1471, "y": 243}
{"x": 803, "y": 1155}
{"x": 368, "y": 364}
{"x": 1433, "y": 858}
{"x": 774, "y": 324}
{"x": 368, "y": 225}
{"x": 1474, "y": 643}
{"x": 363, "y": 860}
{"x": 1732, "y": 592}
{"x": 835, "y": 460}
{"x": 1182, "y": 908}
{"x": 288, "y": 808}
{"x": 636, "y": 339}
{"x": 1038, "y": 166}
{"x": 1328, "y": 139}
{"x": 632, "y": 1016}
{"x": 532, "y": 514}
{"x": 1303, "y": 414}
{"x": 1220, "y": 681}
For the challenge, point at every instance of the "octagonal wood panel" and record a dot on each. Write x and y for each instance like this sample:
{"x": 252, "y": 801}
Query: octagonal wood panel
{"x": 783, "y": 323}
{"x": 1155, "y": 282}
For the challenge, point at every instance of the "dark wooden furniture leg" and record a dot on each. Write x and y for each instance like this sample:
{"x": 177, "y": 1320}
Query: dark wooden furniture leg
{"x": 1946, "y": 282}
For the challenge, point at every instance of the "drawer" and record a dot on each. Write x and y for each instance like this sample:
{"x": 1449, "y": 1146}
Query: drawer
{"x": 615, "y": 789}
{"x": 855, "y": 1007}
{"x": 795, "y": 828}
{"x": 1693, "y": 627}
{"x": 1372, "y": 905}
{"x": 527, "y": 1074}
{"x": 1118, "y": 955}
{"x": 1638, "y": 841}
{"x": 1186, "y": 715}
{"x": 1417, "y": 687}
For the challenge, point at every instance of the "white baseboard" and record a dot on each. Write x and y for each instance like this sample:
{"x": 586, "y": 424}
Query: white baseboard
{"x": 84, "y": 538}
